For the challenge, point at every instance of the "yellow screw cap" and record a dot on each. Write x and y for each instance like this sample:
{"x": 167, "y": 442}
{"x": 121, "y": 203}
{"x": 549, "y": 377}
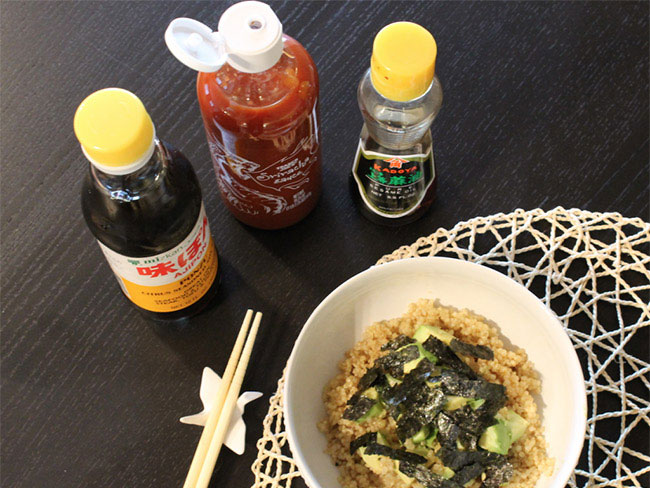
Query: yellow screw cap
{"x": 403, "y": 61}
{"x": 113, "y": 127}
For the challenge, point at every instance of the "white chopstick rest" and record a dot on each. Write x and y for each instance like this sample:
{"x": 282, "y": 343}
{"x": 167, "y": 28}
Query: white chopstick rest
{"x": 219, "y": 417}
{"x": 228, "y": 406}
{"x": 213, "y": 418}
{"x": 236, "y": 433}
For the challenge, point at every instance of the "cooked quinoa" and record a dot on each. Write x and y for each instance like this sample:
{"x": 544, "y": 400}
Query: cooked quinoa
{"x": 510, "y": 368}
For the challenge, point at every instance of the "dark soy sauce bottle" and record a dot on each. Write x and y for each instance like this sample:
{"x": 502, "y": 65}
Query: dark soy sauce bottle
{"x": 142, "y": 202}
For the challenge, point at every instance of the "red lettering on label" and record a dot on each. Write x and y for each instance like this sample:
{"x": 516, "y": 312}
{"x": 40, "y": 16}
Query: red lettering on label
{"x": 161, "y": 269}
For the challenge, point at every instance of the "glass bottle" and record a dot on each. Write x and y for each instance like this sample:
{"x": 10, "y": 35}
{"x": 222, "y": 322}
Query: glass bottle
{"x": 258, "y": 94}
{"x": 142, "y": 202}
{"x": 393, "y": 176}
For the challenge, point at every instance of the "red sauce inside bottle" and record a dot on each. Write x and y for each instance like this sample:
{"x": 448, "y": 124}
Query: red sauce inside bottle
{"x": 263, "y": 131}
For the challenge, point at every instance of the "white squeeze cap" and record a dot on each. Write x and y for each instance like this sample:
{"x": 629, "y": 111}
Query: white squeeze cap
{"x": 249, "y": 39}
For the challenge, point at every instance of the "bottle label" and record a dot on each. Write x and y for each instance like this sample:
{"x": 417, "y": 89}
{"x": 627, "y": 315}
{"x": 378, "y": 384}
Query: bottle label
{"x": 275, "y": 187}
{"x": 172, "y": 280}
{"x": 392, "y": 186}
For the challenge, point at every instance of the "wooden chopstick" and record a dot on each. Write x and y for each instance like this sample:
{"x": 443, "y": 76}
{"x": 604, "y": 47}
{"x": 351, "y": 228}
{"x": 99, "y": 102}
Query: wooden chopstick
{"x": 228, "y": 406}
{"x": 213, "y": 418}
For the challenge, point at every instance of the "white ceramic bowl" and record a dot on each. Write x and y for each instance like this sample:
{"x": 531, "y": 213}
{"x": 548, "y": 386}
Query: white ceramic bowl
{"x": 383, "y": 292}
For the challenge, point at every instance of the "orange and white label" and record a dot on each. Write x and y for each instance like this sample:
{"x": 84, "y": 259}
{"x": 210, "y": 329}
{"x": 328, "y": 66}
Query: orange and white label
{"x": 172, "y": 280}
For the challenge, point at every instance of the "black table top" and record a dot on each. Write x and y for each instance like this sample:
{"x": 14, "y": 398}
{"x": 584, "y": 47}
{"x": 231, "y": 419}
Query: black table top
{"x": 545, "y": 104}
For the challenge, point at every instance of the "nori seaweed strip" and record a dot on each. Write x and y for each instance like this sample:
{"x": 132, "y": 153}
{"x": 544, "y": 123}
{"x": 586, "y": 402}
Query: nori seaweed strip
{"x": 397, "y": 454}
{"x": 468, "y": 439}
{"x": 407, "y": 426}
{"x": 372, "y": 376}
{"x": 448, "y": 431}
{"x": 495, "y": 398}
{"x": 358, "y": 406}
{"x": 458, "y": 384}
{"x": 498, "y": 473}
{"x": 455, "y": 459}
{"x": 392, "y": 398}
{"x": 399, "y": 341}
{"x": 468, "y": 473}
{"x": 425, "y": 370}
{"x": 393, "y": 362}
{"x": 420, "y": 408}
{"x": 492, "y": 458}
{"x": 426, "y": 477}
{"x": 414, "y": 400}
{"x": 447, "y": 357}
{"x": 363, "y": 440}
{"x": 473, "y": 421}
{"x": 477, "y": 351}
{"x": 453, "y": 383}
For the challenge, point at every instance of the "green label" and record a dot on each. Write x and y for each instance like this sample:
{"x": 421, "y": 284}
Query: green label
{"x": 392, "y": 186}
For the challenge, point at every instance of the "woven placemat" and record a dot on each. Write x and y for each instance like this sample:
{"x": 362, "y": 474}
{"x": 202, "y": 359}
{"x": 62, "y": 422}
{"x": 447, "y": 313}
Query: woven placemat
{"x": 593, "y": 270}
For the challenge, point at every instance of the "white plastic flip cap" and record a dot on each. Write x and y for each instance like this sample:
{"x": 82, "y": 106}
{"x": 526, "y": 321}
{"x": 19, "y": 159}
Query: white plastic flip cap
{"x": 249, "y": 39}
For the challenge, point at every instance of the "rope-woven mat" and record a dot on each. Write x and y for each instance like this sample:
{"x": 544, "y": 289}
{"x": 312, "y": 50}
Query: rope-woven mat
{"x": 593, "y": 270}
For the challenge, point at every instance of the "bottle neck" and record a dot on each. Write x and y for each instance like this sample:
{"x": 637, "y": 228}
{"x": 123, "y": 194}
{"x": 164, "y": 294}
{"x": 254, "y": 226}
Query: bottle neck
{"x": 130, "y": 186}
{"x": 397, "y": 125}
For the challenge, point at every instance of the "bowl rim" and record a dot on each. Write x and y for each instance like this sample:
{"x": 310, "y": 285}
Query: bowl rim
{"x": 576, "y": 375}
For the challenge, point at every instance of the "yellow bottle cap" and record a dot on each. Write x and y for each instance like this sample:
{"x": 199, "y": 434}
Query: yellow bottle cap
{"x": 114, "y": 129}
{"x": 403, "y": 61}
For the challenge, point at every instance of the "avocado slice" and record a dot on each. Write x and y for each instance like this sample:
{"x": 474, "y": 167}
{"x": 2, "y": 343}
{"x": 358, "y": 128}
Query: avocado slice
{"x": 381, "y": 439}
{"x": 374, "y": 411}
{"x": 427, "y": 354}
{"x": 371, "y": 393}
{"x": 424, "y": 331}
{"x": 496, "y": 438}
{"x": 373, "y": 461}
{"x": 447, "y": 473}
{"x": 421, "y": 450}
{"x": 516, "y": 424}
{"x": 455, "y": 402}
{"x": 393, "y": 362}
{"x": 392, "y": 381}
{"x": 500, "y": 436}
{"x": 424, "y": 354}
{"x": 421, "y": 435}
{"x": 411, "y": 365}
{"x": 431, "y": 438}
{"x": 475, "y": 403}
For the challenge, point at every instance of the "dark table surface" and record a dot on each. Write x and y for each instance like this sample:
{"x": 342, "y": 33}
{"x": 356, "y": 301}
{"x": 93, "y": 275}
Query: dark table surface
{"x": 545, "y": 104}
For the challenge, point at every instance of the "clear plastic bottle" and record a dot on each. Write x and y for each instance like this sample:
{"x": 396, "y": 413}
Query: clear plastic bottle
{"x": 393, "y": 176}
{"x": 142, "y": 202}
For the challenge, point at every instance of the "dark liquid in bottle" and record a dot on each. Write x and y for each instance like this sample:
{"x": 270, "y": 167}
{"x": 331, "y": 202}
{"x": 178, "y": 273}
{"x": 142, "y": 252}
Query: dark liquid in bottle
{"x": 398, "y": 186}
{"x": 378, "y": 219}
{"x": 146, "y": 213}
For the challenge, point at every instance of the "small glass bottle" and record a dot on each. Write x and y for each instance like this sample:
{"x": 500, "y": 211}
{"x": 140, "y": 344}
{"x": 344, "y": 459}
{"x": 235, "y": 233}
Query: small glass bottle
{"x": 258, "y": 94}
{"x": 393, "y": 176}
{"x": 142, "y": 202}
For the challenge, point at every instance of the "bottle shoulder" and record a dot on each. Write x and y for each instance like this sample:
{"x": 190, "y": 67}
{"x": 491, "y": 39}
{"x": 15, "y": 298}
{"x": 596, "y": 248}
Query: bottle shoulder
{"x": 154, "y": 217}
{"x": 370, "y": 100}
{"x": 398, "y": 125}
{"x": 245, "y": 102}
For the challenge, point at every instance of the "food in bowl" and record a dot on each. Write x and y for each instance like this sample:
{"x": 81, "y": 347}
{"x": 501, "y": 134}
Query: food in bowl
{"x": 435, "y": 399}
